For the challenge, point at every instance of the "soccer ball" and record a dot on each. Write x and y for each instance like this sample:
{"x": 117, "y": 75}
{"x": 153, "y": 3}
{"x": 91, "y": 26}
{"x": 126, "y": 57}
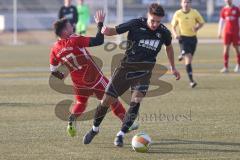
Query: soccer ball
{"x": 141, "y": 142}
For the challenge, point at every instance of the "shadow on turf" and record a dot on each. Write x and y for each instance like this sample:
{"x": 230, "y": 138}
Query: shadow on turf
{"x": 179, "y": 141}
{"x": 152, "y": 150}
{"x": 160, "y": 146}
{"x": 25, "y": 104}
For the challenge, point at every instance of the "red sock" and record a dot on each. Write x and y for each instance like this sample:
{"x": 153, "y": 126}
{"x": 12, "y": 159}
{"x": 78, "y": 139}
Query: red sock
{"x": 118, "y": 110}
{"x": 226, "y": 57}
{"x": 80, "y": 105}
{"x": 238, "y": 58}
{"x": 78, "y": 109}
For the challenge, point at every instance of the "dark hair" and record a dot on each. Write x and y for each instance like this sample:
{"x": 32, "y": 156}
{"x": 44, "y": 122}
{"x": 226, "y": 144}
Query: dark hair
{"x": 156, "y": 9}
{"x": 189, "y": 1}
{"x": 59, "y": 25}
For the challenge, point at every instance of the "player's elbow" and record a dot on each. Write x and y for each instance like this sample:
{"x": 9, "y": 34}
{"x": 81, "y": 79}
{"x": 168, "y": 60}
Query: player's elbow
{"x": 96, "y": 41}
{"x": 99, "y": 42}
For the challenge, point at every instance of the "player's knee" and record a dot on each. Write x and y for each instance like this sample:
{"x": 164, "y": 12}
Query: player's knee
{"x": 78, "y": 108}
{"x": 103, "y": 102}
{"x": 137, "y": 99}
{"x": 82, "y": 102}
{"x": 108, "y": 100}
{"x": 236, "y": 47}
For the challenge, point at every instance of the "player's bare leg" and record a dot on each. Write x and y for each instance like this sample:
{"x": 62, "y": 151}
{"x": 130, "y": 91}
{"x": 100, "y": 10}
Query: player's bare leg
{"x": 237, "y": 68}
{"x": 180, "y": 57}
{"x": 226, "y": 49}
{"x": 188, "y": 63}
{"x": 130, "y": 117}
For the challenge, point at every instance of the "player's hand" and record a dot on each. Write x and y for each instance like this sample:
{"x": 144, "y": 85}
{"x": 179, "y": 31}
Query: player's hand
{"x": 100, "y": 16}
{"x": 105, "y": 30}
{"x": 58, "y": 75}
{"x": 195, "y": 29}
{"x": 219, "y": 35}
{"x": 176, "y": 36}
{"x": 175, "y": 73}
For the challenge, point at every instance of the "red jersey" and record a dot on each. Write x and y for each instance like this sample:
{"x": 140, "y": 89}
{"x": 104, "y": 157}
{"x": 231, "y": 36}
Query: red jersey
{"x": 72, "y": 53}
{"x": 230, "y": 16}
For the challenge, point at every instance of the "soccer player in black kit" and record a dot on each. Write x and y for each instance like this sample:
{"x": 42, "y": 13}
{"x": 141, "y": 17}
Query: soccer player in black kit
{"x": 146, "y": 37}
{"x": 69, "y": 11}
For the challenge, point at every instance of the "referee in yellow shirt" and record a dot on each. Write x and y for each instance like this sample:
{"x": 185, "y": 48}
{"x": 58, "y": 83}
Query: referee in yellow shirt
{"x": 189, "y": 21}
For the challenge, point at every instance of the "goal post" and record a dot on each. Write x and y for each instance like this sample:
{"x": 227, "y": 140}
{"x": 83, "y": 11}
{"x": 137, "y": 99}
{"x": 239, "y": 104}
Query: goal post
{"x": 119, "y": 18}
{"x": 15, "y": 39}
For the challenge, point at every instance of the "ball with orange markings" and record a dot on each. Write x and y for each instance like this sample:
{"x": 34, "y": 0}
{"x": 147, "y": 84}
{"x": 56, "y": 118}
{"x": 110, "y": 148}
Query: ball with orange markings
{"x": 141, "y": 142}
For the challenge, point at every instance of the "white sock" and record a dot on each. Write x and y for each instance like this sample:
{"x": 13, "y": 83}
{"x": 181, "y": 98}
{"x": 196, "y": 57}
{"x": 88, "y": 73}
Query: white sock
{"x": 121, "y": 133}
{"x": 95, "y": 129}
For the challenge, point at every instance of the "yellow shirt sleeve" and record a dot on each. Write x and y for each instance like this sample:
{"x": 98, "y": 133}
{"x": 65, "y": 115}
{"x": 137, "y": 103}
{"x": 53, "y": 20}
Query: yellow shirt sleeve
{"x": 199, "y": 18}
{"x": 174, "y": 19}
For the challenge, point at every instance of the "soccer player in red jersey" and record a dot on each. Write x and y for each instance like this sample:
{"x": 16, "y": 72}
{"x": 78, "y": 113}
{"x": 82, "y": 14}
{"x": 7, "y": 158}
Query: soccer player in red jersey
{"x": 229, "y": 30}
{"x": 86, "y": 76}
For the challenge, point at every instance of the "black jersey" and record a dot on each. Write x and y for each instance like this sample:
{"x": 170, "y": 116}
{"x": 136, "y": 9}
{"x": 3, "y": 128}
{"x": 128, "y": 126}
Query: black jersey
{"x": 144, "y": 44}
{"x": 69, "y": 13}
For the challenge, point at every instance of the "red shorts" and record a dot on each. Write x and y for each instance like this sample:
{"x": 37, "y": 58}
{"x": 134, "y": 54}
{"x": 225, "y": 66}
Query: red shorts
{"x": 97, "y": 90}
{"x": 229, "y": 38}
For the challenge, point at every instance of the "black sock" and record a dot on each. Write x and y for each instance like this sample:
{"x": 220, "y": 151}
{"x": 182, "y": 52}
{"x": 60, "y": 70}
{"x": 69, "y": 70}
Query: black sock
{"x": 72, "y": 118}
{"x": 189, "y": 72}
{"x": 130, "y": 116}
{"x": 99, "y": 115}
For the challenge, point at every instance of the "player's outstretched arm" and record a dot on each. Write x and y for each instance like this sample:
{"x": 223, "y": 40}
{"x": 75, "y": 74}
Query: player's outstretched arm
{"x": 99, "y": 39}
{"x": 170, "y": 55}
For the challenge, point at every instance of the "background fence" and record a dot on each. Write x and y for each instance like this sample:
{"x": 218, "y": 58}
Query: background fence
{"x": 32, "y": 15}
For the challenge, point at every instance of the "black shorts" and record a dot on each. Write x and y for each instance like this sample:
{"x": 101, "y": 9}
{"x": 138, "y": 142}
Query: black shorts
{"x": 134, "y": 75}
{"x": 188, "y": 44}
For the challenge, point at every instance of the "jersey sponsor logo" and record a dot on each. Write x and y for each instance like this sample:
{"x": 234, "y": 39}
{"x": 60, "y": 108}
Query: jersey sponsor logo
{"x": 158, "y": 35}
{"x": 69, "y": 16}
{"x": 234, "y": 12}
{"x": 230, "y": 18}
{"x": 149, "y": 43}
